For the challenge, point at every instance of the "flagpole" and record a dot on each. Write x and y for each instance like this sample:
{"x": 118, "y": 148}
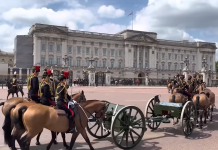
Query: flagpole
{"x": 132, "y": 20}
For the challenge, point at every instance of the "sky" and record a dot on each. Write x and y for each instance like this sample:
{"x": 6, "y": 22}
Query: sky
{"x": 193, "y": 20}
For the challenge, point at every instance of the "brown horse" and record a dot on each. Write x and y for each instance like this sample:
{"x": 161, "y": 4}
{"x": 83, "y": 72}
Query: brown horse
{"x": 211, "y": 96}
{"x": 202, "y": 103}
{"x": 79, "y": 97}
{"x": 169, "y": 87}
{"x": 36, "y": 117}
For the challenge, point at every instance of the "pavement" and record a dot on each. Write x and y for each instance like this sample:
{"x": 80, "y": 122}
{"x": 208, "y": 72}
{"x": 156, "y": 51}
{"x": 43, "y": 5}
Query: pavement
{"x": 166, "y": 137}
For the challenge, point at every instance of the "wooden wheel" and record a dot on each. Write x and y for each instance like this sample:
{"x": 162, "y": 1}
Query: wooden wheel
{"x": 128, "y": 127}
{"x": 149, "y": 113}
{"x": 188, "y": 118}
{"x": 97, "y": 128}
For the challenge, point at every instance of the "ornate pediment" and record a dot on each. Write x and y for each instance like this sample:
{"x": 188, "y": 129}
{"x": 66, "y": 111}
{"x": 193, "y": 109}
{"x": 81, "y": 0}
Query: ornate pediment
{"x": 210, "y": 46}
{"x": 142, "y": 38}
{"x": 51, "y": 30}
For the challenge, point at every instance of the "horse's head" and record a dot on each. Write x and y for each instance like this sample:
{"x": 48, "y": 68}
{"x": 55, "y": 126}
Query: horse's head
{"x": 200, "y": 88}
{"x": 101, "y": 110}
{"x": 79, "y": 97}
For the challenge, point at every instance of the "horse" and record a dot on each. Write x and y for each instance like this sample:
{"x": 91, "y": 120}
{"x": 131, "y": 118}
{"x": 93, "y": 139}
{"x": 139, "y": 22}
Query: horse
{"x": 36, "y": 117}
{"x": 12, "y": 90}
{"x": 169, "y": 87}
{"x": 180, "y": 98}
{"x": 211, "y": 96}
{"x": 79, "y": 97}
{"x": 202, "y": 103}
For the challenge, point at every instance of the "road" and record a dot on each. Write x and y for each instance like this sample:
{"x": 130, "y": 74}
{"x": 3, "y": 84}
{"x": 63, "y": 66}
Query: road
{"x": 166, "y": 137}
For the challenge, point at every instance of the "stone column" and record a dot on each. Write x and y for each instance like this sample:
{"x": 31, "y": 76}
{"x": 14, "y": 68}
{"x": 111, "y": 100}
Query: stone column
{"x": 11, "y": 72}
{"x": 127, "y": 57}
{"x": 146, "y": 80}
{"x": 36, "y": 50}
{"x": 137, "y": 57}
{"x": 20, "y": 73}
{"x": 185, "y": 73}
{"x": 143, "y": 57}
{"x": 64, "y": 52}
{"x": 27, "y": 72}
{"x": 91, "y": 78}
{"x": 203, "y": 72}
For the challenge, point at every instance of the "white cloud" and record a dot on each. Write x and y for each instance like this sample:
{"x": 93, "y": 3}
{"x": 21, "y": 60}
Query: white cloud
{"x": 48, "y": 16}
{"x": 110, "y": 12}
{"x": 114, "y": 28}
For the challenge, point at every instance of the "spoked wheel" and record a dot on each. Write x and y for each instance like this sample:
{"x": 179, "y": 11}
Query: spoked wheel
{"x": 128, "y": 127}
{"x": 149, "y": 114}
{"x": 97, "y": 129}
{"x": 188, "y": 118}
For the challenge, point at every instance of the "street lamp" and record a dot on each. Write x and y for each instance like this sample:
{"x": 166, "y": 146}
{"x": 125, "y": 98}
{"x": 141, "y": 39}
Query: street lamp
{"x": 204, "y": 62}
{"x": 65, "y": 59}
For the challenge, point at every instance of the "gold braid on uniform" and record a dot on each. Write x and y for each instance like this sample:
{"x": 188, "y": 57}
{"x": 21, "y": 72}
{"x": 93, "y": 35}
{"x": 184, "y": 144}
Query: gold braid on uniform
{"x": 13, "y": 81}
{"x": 58, "y": 92}
{"x": 41, "y": 85}
{"x": 29, "y": 81}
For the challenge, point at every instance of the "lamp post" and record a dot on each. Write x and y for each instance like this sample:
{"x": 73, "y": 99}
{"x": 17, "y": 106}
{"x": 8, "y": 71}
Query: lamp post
{"x": 65, "y": 59}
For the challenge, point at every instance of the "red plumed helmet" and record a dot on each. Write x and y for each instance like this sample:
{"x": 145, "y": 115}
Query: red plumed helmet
{"x": 37, "y": 68}
{"x": 48, "y": 72}
{"x": 66, "y": 74}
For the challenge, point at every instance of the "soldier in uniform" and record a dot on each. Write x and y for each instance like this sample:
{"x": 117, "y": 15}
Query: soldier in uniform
{"x": 63, "y": 98}
{"x": 33, "y": 84}
{"x": 200, "y": 80}
{"x": 14, "y": 82}
{"x": 45, "y": 89}
{"x": 183, "y": 87}
{"x": 194, "y": 80}
{"x": 189, "y": 79}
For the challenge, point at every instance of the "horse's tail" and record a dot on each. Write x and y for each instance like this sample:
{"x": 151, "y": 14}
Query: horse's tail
{"x": 197, "y": 103}
{"x": 173, "y": 98}
{"x": 7, "y": 126}
{"x": 2, "y": 103}
{"x": 19, "y": 120}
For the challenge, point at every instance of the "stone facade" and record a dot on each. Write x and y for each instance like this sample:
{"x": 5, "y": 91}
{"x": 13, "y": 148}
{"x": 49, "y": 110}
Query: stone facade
{"x": 127, "y": 54}
{"x": 7, "y": 58}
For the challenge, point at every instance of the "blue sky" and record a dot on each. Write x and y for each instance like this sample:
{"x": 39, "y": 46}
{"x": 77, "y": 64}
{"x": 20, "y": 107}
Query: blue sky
{"x": 191, "y": 20}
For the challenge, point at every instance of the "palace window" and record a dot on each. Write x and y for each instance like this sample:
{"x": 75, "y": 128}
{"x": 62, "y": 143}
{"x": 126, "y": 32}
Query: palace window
{"x": 87, "y": 62}
{"x": 42, "y": 61}
{"x": 175, "y": 56}
{"x": 188, "y": 57}
{"x": 182, "y": 66}
{"x": 78, "y": 63}
{"x": 210, "y": 59}
{"x": 146, "y": 54}
{"x": 157, "y": 66}
{"x": 58, "y": 61}
{"x": 146, "y": 65}
{"x": 112, "y": 64}
{"x": 43, "y": 47}
{"x": 96, "y": 51}
{"x": 193, "y": 58}
{"x": 104, "y": 64}
{"x": 69, "y": 62}
{"x": 87, "y": 50}
{"x": 140, "y": 65}
{"x": 134, "y": 65}
{"x": 162, "y": 66}
{"x": 120, "y": 64}
{"x": 58, "y": 48}
{"x": 181, "y": 56}
{"x": 112, "y": 52}
{"x": 210, "y": 67}
{"x": 69, "y": 49}
{"x": 175, "y": 67}
{"x": 51, "y": 47}
{"x": 169, "y": 66}
{"x": 104, "y": 52}
{"x": 50, "y": 61}
{"x": 163, "y": 55}
{"x": 96, "y": 63}
{"x": 169, "y": 56}
{"x": 157, "y": 55}
{"x": 78, "y": 50}
{"x": 120, "y": 53}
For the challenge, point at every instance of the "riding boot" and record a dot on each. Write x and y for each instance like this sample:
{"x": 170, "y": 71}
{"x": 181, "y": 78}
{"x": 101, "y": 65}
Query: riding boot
{"x": 72, "y": 127}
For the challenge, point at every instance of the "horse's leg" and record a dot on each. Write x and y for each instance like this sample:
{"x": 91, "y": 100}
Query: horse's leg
{"x": 211, "y": 113}
{"x": 205, "y": 116}
{"x": 37, "y": 138}
{"x": 17, "y": 94}
{"x": 53, "y": 137}
{"x": 12, "y": 94}
{"x": 85, "y": 136}
{"x": 64, "y": 140}
{"x": 201, "y": 122}
{"x": 73, "y": 139}
{"x": 8, "y": 94}
{"x": 55, "y": 141}
{"x": 16, "y": 134}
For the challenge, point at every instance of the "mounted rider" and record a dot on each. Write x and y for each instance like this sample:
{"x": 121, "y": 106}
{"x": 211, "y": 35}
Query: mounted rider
{"x": 194, "y": 80}
{"x": 190, "y": 80}
{"x": 200, "y": 80}
{"x": 45, "y": 89}
{"x": 33, "y": 84}
{"x": 63, "y": 99}
{"x": 183, "y": 87}
{"x": 14, "y": 82}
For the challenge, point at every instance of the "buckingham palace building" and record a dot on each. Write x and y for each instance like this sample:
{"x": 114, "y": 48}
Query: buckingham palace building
{"x": 127, "y": 54}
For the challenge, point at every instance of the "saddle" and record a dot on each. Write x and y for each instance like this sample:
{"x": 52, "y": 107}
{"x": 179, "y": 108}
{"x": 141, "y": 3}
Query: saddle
{"x": 61, "y": 112}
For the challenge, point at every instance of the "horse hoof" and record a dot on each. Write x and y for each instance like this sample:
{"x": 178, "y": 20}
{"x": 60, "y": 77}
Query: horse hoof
{"x": 38, "y": 143}
{"x": 66, "y": 146}
{"x": 55, "y": 142}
